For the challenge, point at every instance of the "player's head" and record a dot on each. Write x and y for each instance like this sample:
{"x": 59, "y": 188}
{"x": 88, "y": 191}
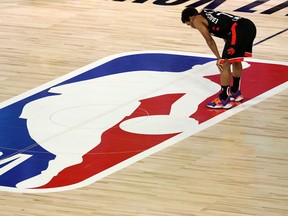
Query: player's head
{"x": 187, "y": 13}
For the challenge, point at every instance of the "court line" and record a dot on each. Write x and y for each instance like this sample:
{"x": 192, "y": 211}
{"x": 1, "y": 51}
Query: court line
{"x": 274, "y": 35}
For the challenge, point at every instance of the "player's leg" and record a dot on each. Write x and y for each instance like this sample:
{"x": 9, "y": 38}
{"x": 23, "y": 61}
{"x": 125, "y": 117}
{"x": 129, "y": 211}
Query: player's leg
{"x": 223, "y": 101}
{"x": 235, "y": 92}
{"x": 246, "y": 32}
{"x": 225, "y": 77}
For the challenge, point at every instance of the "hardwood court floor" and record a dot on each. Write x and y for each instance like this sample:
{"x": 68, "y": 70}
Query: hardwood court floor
{"x": 237, "y": 167}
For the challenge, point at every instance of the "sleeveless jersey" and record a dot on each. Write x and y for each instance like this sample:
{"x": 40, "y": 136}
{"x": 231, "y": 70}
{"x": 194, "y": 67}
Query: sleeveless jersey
{"x": 219, "y": 23}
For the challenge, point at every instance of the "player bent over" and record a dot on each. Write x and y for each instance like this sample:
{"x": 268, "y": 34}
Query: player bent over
{"x": 238, "y": 34}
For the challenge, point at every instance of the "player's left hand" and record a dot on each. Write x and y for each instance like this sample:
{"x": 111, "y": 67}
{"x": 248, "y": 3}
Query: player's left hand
{"x": 219, "y": 64}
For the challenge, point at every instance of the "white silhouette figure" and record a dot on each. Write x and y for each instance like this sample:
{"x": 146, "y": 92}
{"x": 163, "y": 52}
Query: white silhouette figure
{"x": 71, "y": 123}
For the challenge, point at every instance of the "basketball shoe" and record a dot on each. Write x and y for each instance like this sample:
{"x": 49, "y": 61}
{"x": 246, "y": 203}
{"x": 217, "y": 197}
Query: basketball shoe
{"x": 236, "y": 96}
{"x": 219, "y": 103}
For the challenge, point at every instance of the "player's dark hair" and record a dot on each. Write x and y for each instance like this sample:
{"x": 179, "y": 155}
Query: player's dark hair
{"x": 186, "y": 13}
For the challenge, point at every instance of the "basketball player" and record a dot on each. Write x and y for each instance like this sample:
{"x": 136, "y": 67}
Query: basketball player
{"x": 238, "y": 34}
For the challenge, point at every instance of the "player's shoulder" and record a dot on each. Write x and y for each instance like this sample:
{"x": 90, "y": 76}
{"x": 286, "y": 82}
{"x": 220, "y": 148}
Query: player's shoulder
{"x": 201, "y": 20}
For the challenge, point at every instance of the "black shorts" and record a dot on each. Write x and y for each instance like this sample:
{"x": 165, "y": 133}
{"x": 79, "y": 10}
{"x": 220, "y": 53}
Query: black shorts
{"x": 240, "y": 41}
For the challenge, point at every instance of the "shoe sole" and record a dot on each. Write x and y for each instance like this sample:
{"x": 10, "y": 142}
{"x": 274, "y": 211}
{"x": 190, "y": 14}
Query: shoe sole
{"x": 227, "y": 106}
{"x": 238, "y": 99}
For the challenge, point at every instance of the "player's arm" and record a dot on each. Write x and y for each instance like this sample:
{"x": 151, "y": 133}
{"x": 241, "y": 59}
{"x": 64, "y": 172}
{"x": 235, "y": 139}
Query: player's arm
{"x": 202, "y": 28}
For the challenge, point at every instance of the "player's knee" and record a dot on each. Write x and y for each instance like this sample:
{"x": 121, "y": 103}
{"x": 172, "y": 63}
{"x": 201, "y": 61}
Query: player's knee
{"x": 237, "y": 66}
{"x": 226, "y": 64}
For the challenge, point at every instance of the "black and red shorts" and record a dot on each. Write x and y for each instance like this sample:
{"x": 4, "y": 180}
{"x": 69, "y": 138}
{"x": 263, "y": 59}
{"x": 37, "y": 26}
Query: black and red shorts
{"x": 240, "y": 41}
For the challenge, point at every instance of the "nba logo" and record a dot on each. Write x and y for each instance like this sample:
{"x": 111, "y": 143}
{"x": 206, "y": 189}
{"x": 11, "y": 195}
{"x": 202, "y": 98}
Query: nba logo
{"x": 100, "y": 118}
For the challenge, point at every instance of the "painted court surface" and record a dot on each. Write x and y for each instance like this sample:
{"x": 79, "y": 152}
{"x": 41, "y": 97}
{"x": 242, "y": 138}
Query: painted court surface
{"x": 103, "y": 112}
{"x": 114, "y": 112}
